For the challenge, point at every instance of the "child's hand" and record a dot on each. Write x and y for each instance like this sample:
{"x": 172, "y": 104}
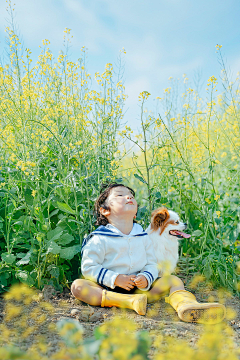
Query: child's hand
{"x": 125, "y": 281}
{"x": 141, "y": 282}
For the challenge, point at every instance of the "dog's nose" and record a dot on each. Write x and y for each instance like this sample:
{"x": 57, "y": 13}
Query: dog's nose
{"x": 185, "y": 224}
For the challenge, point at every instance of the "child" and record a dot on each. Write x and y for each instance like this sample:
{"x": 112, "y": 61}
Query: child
{"x": 118, "y": 259}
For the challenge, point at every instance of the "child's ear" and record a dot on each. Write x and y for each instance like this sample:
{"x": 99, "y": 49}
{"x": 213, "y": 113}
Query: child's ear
{"x": 104, "y": 212}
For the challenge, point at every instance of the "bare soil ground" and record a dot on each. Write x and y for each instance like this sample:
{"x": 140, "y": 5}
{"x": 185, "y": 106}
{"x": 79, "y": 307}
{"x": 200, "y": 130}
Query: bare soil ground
{"x": 160, "y": 317}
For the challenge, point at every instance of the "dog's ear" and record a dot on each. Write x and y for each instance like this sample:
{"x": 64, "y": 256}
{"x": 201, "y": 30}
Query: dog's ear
{"x": 159, "y": 216}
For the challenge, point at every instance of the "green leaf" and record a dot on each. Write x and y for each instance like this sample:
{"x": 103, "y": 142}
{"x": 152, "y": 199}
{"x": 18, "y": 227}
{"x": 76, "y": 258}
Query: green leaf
{"x": 18, "y": 223}
{"x": 55, "y": 234}
{"x": 222, "y": 276}
{"x": 3, "y": 279}
{"x": 197, "y": 212}
{"x": 141, "y": 212}
{"x": 54, "y": 212}
{"x": 140, "y": 178}
{"x": 218, "y": 220}
{"x": 28, "y": 196}
{"x": 197, "y": 233}
{"x": 66, "y": 208}
{"x": 25, "y": 278}
{"x": 53, "y": 248}
{"x": 25, "y": 260}
{"x": 158, "y": 195}
{"x": 54, "y": 271}
{"x": 70, "y": 252}
{"x": 65, "y": 239}
{"x": 207, "y": 271}
{"x": 8, "y": 258}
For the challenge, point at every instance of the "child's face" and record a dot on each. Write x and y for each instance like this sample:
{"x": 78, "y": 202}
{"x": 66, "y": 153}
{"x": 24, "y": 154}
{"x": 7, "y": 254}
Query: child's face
{"x": 121, "y": 202}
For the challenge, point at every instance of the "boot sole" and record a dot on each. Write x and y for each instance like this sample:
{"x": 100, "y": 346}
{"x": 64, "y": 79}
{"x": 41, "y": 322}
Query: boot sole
{"x": 203, "y": 313}
{"x": 140, "y": 304}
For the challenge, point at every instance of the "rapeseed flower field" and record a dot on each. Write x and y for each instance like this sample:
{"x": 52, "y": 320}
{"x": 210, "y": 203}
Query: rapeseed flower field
{"x": 58, "y": 144}
{"x": 186, "y": 158}
{"x": 61, "y": 138}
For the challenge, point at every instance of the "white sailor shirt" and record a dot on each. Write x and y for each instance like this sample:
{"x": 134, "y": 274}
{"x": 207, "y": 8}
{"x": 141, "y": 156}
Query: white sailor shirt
{"x": 107, "y": 252}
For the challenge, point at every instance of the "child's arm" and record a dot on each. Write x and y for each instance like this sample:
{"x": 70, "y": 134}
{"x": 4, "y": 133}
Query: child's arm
{"x": 150, "y": 270}
{"x": 91, "y": 265}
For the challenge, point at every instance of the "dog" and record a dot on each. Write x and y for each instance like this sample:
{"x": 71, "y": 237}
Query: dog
{"x": 165, "y": 230}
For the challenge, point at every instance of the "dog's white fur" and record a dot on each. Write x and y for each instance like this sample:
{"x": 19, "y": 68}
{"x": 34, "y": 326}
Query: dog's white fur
{"x": 165, "y": 244}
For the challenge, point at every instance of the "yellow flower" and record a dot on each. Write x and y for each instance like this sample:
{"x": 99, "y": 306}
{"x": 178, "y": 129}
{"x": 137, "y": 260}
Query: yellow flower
{"x": 208, "y": 201}
{"x": 196, "y": 280}
{"x": 34, "y": 193}
{"x": 143, "y": 95}
{"x": 218, "y": 213}
{"x": 217, "y": 197}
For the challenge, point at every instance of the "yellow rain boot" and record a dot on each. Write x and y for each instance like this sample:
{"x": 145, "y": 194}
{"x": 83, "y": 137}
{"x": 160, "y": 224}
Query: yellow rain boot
{"x": 189, "y": 310}
{"x": 136, "y": 302}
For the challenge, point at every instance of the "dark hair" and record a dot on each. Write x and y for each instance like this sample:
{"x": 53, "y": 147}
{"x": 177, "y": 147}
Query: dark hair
{"x": 101, "y": 201}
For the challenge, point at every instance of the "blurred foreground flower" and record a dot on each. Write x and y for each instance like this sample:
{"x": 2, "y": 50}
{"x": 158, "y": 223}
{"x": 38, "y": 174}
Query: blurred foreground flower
{"x": 117, "y": 339}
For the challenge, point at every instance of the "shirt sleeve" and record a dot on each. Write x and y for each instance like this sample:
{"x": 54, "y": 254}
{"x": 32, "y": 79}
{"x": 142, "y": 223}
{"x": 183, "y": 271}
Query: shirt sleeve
{"x": 91, "y": 264}
{"x": 150, "y": 270}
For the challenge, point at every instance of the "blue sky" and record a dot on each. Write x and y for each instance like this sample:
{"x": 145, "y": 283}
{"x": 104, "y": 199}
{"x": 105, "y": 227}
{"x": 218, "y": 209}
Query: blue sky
{"x": 161, "y": 38}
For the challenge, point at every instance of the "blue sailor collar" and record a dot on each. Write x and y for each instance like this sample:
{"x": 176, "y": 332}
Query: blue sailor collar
{"x": 111, "y": 231}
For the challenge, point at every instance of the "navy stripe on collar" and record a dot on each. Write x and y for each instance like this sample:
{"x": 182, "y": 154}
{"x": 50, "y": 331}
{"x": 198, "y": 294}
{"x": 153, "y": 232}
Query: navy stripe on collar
{"x": 102, "y": 230}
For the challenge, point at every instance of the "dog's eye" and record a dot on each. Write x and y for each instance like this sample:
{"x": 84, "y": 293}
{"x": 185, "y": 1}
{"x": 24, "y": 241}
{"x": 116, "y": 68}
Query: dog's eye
{"x": 177, "y": 222}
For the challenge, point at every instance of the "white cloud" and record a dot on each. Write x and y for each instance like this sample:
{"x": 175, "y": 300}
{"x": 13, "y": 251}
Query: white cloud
{"x": 37, "y": 21}
{"x": 46, "y": 20}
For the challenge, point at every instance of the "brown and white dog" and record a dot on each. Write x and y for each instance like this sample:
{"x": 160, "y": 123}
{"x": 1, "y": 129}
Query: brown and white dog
{"x": 165, "y": 230}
